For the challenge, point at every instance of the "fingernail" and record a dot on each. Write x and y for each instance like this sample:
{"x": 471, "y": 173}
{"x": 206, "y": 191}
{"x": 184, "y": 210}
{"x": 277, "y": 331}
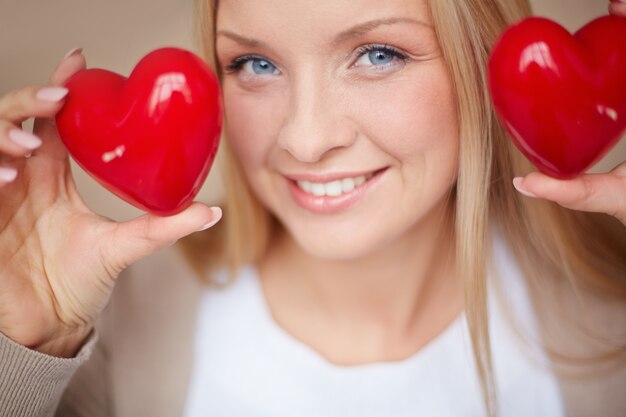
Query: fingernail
{"x": 217, "y": 215}
{"x": 74, "y": 51}
{"x": 7, "y": 174}
{"x": 517, "y": 183}
{"x": 25, "y": 139}
{"x": 53, "y": 94}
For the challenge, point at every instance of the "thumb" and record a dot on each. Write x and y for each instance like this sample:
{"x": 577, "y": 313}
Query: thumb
{"x": 601, "y": 193}
{"x": 134, "y": 239}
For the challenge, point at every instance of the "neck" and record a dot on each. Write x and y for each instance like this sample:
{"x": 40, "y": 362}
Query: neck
{"x": 389, "y": 303}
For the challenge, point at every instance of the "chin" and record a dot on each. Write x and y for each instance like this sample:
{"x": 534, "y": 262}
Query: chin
{"x": 342, "y": 245}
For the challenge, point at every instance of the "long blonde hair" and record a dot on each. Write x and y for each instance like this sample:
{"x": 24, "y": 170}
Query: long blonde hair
{"x": 556, "y": 248}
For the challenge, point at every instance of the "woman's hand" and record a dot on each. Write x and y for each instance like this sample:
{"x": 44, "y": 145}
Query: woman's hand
{"x": 59, "y": 260}
{"x": 618, "y": 7}
{"x": 604, "y": 193}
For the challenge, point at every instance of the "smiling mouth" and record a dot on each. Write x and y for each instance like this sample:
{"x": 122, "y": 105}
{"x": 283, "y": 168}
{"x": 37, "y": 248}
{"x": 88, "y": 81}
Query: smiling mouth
{"x": 336, "y": 187}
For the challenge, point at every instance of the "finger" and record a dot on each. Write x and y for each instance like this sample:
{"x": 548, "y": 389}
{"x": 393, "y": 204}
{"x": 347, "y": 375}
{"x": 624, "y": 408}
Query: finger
{"x": 603, "y": 193}
{"x": 7, "y": 175}
{"x": 33, "y": 101}
{"x": 44, "y": 127}
{"x": 73, "y": 62}
{"x": 15, "y": 141}
{"x": 618, "y": 8}
{"x": 140, "y": 237}
{"x": 39, "y": 101}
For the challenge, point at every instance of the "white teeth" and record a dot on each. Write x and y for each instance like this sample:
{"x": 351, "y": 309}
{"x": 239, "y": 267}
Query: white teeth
{"x": 347, "y": 185}
{"x": 305, "y": 185}
{"x": 318, "y": 189}
{"x": 333, "y": 188}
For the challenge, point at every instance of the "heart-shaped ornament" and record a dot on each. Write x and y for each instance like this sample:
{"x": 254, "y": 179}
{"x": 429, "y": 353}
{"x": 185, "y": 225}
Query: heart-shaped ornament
{"x": 150, "y": 138}
{"x": 561, "y": 98}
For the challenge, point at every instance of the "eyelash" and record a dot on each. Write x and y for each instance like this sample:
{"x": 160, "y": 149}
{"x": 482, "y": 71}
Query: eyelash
{"x": 239, "y": 62}
{"x": 385, "y": 48}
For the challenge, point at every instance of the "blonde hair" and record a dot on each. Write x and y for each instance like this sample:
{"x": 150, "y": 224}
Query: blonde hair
{"x": 556, "y": 248}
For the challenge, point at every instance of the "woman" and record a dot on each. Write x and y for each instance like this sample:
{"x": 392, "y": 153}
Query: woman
{"x": 368, "y": 191}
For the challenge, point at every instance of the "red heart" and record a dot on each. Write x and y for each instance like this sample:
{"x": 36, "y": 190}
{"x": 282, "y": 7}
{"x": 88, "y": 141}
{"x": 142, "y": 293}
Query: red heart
{"x": 561, "y": 98}
{"x": 150, "y": 139}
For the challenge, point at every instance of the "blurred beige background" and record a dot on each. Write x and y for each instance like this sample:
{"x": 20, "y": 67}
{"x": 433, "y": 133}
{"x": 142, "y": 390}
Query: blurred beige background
{"x": 115, "y": 34}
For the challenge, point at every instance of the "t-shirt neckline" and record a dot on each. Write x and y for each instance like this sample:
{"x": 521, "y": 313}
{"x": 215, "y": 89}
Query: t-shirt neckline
{"x": 288, "y": 343}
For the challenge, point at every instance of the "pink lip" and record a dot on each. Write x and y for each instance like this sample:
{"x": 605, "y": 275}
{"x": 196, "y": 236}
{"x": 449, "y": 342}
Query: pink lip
{"x": 328, "y": 204}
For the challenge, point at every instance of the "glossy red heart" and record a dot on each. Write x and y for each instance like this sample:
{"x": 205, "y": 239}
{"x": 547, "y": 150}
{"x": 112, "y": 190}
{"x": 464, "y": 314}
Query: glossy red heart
{"x": 561, "y": 98}
{"x": 150, "y": 138}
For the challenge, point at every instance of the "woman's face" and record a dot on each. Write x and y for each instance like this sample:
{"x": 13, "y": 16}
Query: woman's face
{"x": 342, "y": 115}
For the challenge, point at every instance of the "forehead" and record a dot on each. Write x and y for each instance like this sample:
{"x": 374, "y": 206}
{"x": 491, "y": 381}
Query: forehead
{"x": 307, "y": 19}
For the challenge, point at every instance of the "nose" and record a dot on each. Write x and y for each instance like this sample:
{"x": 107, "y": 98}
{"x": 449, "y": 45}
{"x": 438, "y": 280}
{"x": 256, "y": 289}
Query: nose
{"x": 316, "y": 121}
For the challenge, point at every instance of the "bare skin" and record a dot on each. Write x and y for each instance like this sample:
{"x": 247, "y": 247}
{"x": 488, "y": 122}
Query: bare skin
{"x": 58, "y": 260}
{"x": 376, "y": 281}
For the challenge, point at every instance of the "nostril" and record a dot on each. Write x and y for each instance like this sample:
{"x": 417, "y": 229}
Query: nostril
{"x": 311, "y": 146}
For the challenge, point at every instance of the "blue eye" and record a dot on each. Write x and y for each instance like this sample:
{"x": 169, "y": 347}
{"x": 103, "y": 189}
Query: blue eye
{"x": 260, "y": 66}
{"x": 378, "y": 56}
{"x": 253, "y": 65}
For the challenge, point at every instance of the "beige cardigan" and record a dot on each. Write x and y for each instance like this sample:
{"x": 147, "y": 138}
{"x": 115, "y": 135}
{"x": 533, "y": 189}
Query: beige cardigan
{"x": 138, "y": 362}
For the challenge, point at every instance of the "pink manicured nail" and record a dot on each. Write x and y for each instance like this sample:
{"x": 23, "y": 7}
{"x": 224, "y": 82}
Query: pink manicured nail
{"x": 74, "y": 51}
{"x": 217, "y": 215}
{"x": 517, "y": 183}
{"x": 24, "y": 139}
{"x": 52, "y": 93}
{"x": 7, "y": 174}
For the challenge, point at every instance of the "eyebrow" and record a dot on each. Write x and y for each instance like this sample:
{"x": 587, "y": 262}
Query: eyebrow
{"x": 252, "y": 43}
{"x": 363, "y": 28}
{"x": 353, "y": 32}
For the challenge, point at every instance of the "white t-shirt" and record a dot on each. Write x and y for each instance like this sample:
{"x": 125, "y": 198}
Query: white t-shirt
{"x": 247, "y": 365}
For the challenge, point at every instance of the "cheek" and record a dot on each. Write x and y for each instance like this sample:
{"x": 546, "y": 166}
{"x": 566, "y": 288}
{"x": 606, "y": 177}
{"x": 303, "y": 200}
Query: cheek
{"x": 251, "y": 125}
{"x": 414, "y": 117}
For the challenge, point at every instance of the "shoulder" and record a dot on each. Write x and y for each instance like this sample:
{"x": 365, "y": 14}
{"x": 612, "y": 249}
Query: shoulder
{"x": 159, "y": 293}
{"x": 570, "y": 329}
{"x": 560, "y": 308}
{"x": 147, "y": 331}
{"x": 162, "y": 293}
